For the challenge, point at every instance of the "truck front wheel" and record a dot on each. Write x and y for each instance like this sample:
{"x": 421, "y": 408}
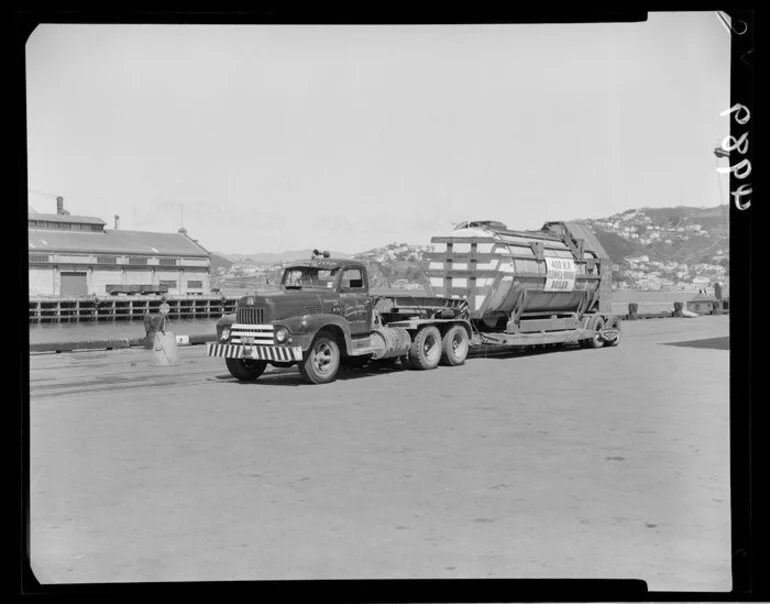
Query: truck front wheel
{"x": 425, "y": 352}
{"x": 322, "y": 360}
{"x": 454, "y": 346}
{"x": 245, "y": 369}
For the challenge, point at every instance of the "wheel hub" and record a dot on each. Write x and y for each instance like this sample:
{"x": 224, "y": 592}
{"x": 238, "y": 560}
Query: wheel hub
{"x": 323, "y": 358}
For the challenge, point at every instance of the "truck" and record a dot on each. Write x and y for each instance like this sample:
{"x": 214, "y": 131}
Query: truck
{"x": 489, "y": 287}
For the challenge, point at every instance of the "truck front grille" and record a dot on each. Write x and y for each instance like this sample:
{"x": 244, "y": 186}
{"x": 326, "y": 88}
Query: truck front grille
{"x": 251, "y": 316}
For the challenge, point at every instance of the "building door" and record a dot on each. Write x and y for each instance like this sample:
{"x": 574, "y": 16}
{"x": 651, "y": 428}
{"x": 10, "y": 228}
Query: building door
{"x": 74, "y": 285}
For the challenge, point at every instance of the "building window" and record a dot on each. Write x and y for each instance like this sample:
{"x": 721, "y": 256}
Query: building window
{"x": 39, "y": 258}
{"x": 168, "y": 284}
{"x": 106, "y": 259}
{"x": 167, "y": 262}
{"x": 137, "y": 261}
{"x": 195, "y": 284}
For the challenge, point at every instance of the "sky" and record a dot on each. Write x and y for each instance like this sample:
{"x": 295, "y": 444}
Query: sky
{"x": 272, "y": 138}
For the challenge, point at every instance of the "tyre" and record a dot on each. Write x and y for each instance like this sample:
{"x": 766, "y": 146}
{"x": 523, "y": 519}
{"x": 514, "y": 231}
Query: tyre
{"x": 595, "y": 324}
{"x": 613, "y": 323}
{"x": 322, "y": 360}
{"x": 454, "y": 346}
{"x": 425, "y": 352}
{"x": 246, "y": 370}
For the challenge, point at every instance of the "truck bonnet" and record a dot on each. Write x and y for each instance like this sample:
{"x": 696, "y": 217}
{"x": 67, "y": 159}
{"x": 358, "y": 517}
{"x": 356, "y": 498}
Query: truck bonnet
{"x": 266, "y": 308}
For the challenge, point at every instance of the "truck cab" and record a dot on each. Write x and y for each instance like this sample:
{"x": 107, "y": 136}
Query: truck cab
{"x": 324, "y": 316}
{"x": 342, "y": 285}
{"x": 278, "y": 328}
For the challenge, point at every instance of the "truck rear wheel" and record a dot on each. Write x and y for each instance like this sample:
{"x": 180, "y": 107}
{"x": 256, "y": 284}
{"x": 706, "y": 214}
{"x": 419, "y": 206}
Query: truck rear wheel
{"x": 595, "y": 325}
{"x": 245, "y": 369}
{"x": 425, "y": 352}
{"x": 454, "y": 346}
{"x": 322, "y": 360}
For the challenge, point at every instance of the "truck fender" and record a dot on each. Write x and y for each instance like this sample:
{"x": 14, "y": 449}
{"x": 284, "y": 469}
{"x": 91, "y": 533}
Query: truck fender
{"x": 222, "y": 322}
{"x": 225, "y": 321}
{"x": 307, "y": 326}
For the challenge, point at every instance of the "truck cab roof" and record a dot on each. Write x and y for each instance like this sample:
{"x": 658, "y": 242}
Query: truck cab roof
{"x": 326, "y": 263}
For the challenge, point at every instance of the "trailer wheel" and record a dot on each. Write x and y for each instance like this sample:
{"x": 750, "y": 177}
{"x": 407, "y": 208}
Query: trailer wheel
{"x": 322, "y": 360}
{"x": 613, "y": 323}
{"x": 245, "y": 370}
{"x": 425, "y": 352}
{"x": 454, "y": 346}
{"x": 595, "y": 324}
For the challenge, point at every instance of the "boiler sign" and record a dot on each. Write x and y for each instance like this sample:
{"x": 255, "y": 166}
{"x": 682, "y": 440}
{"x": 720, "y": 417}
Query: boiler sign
{"x": 560, "y": 274}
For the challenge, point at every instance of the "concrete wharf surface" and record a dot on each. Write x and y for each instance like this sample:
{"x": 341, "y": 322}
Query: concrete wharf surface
{"x": 608, "y": 463}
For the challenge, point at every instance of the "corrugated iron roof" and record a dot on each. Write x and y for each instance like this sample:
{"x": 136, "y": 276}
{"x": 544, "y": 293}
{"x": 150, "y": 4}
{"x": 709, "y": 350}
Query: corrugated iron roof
{"x": 66, "y": 218}
{"x": 114, "y": 242}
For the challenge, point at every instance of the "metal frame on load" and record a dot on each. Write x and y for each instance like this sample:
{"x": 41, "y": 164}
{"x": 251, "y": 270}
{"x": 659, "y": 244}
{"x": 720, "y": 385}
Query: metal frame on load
{"x": 571, "y": 237}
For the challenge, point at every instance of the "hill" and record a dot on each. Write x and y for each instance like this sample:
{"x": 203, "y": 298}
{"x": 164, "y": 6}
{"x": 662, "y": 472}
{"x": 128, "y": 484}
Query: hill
{"x": 219, "y": 260}
{"x": 679, "y": 247}
{"x": 682, "y": 235}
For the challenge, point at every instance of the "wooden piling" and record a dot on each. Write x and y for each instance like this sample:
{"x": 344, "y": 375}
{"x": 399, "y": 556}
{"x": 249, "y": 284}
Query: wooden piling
{"x": 126, "y": 308}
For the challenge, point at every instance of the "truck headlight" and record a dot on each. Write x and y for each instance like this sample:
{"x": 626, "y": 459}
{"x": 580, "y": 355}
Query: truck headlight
{"x": 225, "y": 334}
{"x": 281, "y": 334}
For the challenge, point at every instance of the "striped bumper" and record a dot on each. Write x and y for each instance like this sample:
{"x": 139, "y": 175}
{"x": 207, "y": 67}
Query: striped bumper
{"x": 257, "y": 353}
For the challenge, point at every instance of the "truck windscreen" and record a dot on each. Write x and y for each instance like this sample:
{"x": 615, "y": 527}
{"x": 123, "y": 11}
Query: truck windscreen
{"x": 309, "y": 277}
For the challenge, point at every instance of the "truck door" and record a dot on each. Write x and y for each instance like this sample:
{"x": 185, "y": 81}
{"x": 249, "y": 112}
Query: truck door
{"x": 355, "y": 302}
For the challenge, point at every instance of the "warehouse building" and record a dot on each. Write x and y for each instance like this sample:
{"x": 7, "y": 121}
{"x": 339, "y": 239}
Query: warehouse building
{"x": 75, "y": 256}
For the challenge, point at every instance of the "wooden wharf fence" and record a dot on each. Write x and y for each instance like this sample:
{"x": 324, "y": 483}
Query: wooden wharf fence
{"x": 125, "y": 308}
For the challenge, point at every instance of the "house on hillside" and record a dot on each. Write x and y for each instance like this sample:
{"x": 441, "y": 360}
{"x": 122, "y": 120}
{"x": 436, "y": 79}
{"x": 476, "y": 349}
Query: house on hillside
{"x": 701, "y": 281}
{"x": 75, "y": 256}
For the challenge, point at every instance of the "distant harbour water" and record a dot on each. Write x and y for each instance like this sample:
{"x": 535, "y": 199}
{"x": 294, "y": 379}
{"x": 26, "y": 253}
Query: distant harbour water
{"x": 41, "y": 333}
{"x": 45, "y": 333}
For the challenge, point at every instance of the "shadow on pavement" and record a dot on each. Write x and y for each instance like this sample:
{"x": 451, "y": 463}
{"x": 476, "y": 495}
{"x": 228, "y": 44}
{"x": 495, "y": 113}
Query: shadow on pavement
{"x": 508, "y": 353}
{"x": 722, "y": 343}
{"x": 291, "y": 376}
